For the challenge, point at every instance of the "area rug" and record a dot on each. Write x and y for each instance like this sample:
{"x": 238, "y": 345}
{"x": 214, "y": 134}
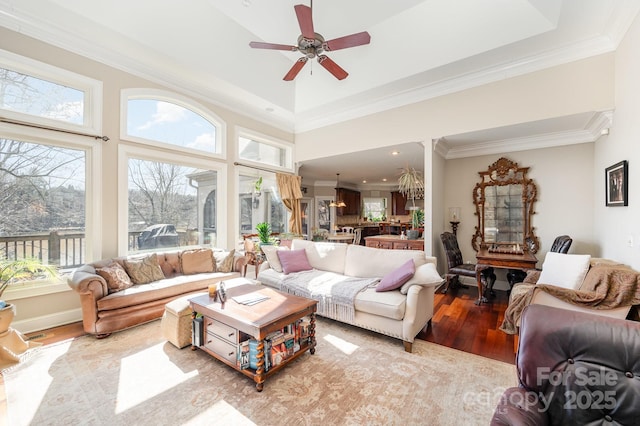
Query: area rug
{"x": 355, "y": 377}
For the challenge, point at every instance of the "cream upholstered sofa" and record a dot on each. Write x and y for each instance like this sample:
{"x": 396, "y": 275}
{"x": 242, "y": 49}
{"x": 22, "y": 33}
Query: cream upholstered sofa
{"x": 400, "y": 313}
{"x": 112, "y": 301}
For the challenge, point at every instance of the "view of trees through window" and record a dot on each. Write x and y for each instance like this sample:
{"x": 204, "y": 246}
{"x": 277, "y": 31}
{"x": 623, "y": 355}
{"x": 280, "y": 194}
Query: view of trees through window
{"x": 30, "y": 95}
{"x": 163, "y": 205}
{"x": 42, "y": 193}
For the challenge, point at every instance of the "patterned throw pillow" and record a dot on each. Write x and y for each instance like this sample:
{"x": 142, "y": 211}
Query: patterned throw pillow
{"x": 144, "y": 270}
{"x": 197, "y": 261}
{"x": 115, "y": 276}
{"x": 224, "y": 260}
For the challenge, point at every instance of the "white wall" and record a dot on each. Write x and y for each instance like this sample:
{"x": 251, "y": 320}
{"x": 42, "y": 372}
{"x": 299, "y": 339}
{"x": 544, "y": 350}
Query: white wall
{"x": 614, "y": 225}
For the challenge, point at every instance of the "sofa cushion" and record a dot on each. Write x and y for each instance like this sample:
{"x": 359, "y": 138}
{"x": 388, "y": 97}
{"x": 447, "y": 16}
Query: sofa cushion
{"x": 564, "y": 270}
{"x": 143, "y": 270}
{"x": 271, "y": 277}
{"x": 197, "y": 261}
{"x": 324, "y": 256}
{"x": 138, "y": 295}
{"x": 224, "y": 260}
{"x": 396, "y": 278}
{"x": 369, "y": 262}
{"x": 272, "y": 256}
{"x": 115, "y": 276}
{"x": 426, "y": 274}
{"x": 389, "y": 304}
{"x": 294, "y": 261}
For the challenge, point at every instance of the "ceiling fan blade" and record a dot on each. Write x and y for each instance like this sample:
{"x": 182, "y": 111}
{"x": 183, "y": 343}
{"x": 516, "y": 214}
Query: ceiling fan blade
{"x": 305, "y": 21}
{"x": 332, "y": 67}
{"x": 295, "y": 69}
{"x": 261, "y": 45}
{"x": 357, "y": 39}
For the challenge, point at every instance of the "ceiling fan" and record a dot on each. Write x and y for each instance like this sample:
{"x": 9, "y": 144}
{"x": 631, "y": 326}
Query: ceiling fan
{"x": 312, "y": 45}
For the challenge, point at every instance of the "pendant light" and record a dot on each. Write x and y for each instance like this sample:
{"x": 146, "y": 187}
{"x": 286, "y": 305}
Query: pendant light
{"x": 337, "y": 203}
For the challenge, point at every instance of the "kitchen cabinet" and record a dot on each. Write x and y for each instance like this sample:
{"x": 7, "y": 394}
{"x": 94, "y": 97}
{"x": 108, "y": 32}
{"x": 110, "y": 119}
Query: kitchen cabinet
{"x": 351, "y": 199}
{"x": 398, "y": 202}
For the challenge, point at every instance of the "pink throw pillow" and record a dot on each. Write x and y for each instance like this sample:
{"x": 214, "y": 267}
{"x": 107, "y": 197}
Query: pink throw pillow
{"x": 394, "y": 279}
{"x": 294, "y": 261}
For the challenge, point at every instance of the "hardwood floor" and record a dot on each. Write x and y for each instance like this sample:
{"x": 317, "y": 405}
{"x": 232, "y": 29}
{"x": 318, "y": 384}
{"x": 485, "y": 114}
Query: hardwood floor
{"x": 457, "y": 323}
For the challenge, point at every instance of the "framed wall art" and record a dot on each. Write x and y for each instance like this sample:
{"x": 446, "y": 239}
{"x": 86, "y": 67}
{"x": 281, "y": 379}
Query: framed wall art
{"x": 616, "y": 184}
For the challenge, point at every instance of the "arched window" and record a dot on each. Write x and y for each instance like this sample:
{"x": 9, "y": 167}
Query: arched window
{"x": 157, "y": 117}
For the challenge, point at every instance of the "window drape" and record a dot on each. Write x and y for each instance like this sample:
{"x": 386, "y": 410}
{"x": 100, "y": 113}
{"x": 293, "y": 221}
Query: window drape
{"x": 289, "y": 187}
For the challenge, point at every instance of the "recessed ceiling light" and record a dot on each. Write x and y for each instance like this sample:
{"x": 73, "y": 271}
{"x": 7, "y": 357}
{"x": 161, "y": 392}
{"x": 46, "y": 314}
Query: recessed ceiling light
{"x": 384, "y": 179}
{"x": 364, "y": 181}
{"x": 395, "y": 152}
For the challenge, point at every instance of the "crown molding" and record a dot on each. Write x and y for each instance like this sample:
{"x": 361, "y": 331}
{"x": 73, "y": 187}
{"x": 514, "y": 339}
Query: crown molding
{"x": 592, "y": 131}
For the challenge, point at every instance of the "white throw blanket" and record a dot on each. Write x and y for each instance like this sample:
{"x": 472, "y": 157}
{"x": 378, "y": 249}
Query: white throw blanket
{"x": 335, "y": 293}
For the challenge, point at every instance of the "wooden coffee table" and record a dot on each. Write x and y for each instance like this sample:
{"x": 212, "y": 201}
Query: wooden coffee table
{"x": 227, "y": 325}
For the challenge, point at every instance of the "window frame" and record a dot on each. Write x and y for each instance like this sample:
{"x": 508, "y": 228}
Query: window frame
{"x": 92, "y": 89}
{"x": 267, "y": 140}
{"x": 183, "y": 101}
{"x": 125, "y": 152}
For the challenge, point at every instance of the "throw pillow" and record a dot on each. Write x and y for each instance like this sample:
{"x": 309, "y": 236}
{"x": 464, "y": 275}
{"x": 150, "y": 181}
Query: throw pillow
{"x": 394, "y": 279}
{"x": 197, "y": 261}
{"x": 564, "y": 270}
{"x": 294, "y": 261}
{"x": 115, "y": 276}
{"x": 271, "y": 252}
{"x": 224, "y": 260}
{"x": 426, "y": 274}
{"x": 144, "y": 270}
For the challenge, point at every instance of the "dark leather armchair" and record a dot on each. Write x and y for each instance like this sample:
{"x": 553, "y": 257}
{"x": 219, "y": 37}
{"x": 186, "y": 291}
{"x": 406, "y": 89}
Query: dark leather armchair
{"x": 560, "y": 245}
{"x": 456, "y": 265}
{"x": 574, "y": 368}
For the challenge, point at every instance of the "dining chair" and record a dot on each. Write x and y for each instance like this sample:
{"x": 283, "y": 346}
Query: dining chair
{"x": 347, "y": 229}
{"x": 357, "y": 236}
{"x": 252, "y": 254}
{"x": 457, "y": 267}
{"x": 561, "y": 244}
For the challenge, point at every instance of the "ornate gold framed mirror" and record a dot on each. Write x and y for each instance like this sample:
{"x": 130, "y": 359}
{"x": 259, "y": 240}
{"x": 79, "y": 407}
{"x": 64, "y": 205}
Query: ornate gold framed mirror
{"x": 504, "y": 200}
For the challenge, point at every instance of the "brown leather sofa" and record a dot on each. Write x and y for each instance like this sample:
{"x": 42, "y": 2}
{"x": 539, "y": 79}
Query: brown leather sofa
{"x": 104, "y": 312}
{"x": 574, "y": 368}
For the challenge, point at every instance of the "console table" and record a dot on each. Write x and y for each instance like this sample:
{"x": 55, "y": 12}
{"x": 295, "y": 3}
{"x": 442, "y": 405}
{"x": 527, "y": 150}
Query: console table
{"x": 394, "y": 242}
{"x": 486, "y": 259}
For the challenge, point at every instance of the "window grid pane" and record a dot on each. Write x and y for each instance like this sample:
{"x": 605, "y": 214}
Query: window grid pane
{"x": 42, "y": 189}
{"x": 166, "y": 122}
{"x": 41, "y": 98}
{"x": 170, "y": 205}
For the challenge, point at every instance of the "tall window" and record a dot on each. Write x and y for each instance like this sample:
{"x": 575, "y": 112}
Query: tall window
{"x": 156, "y": 116}
{"x": 48, "y": 185}
{"x": 172, "y": 198}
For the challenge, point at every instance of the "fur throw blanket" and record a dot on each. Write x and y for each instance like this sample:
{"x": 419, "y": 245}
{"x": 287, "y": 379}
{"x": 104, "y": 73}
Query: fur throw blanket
{"x": 604, "y": 287}
{"x": 335, "y": 293}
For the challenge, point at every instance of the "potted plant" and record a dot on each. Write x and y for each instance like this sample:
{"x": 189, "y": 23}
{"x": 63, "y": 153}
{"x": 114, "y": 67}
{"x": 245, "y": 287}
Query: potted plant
{"x": 411, "y": 185}
{"x": 264, "y": 234}
{"x": 18, "y": 270}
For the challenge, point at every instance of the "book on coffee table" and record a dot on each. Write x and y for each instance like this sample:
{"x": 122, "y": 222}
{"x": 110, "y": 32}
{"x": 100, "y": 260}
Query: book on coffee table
{"x": 250, "y": 298}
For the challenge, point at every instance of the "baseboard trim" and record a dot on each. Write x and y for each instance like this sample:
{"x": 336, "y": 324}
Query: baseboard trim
{"x": 48, "y": 321}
